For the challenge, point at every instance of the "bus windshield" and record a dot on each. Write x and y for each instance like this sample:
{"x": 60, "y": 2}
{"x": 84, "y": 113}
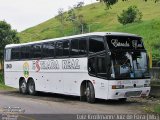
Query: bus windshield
{"x": 132, "y": 65}
{"x": 128, "y": 57}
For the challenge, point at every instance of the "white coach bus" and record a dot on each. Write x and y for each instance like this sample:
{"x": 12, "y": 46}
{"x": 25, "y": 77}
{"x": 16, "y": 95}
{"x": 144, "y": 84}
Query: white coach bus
{"x": 105, "y": 65}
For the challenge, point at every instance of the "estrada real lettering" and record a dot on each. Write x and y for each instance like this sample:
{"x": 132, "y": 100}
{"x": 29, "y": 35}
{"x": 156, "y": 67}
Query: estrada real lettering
{"x": 116, "y": 43}
{"x": 55, "y": 64}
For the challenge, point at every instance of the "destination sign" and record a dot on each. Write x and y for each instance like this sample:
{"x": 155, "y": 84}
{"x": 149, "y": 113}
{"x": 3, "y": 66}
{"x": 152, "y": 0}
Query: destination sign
{"x": 123, "y": 42}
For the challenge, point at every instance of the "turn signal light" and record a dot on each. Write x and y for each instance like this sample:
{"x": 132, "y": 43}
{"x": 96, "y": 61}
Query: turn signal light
{"x": 117, "y": 86}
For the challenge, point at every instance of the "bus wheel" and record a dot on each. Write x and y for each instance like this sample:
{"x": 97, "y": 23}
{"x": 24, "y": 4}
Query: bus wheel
{"x": 31, "y": 87}
{"x": 23, "y": 87}
{"x": 90, "y": 95}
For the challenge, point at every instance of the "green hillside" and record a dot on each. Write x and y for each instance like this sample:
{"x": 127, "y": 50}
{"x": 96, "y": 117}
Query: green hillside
{"x": 101, "y": 20}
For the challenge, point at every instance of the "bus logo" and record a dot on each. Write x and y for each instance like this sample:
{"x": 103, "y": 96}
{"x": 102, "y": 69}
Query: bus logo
{"x": 136, "y": 45}
{"x": 116, "y": 43}
{"x": 26, "y": 69}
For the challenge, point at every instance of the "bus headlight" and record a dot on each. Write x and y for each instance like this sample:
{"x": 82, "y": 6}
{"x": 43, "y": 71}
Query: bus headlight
{"x": 117, "y": 86}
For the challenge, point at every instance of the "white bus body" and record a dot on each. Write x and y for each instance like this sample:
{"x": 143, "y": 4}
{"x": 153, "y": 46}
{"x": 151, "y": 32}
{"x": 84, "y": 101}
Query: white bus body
{"x": 73, "y": 75}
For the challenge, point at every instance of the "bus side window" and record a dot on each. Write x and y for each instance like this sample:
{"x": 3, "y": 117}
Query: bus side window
{"x": 66, "y": 45}
{"x": 25, "y": 52}
{"x": 74, "y": 47}
{"x": 92, "y": 66}
{"x": 82, "y": 46}
{"x": 15, "y": 53}
{"x": 28, "y": 52}
{"x": 59, "y": 49}
{"x": 96, "y": 44}
{"x": 37, "y": 51}
{"x": 48, "y": 49}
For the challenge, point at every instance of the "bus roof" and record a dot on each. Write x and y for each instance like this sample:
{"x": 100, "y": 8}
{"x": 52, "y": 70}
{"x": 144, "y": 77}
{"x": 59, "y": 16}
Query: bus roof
{"x": 69, "y": 37}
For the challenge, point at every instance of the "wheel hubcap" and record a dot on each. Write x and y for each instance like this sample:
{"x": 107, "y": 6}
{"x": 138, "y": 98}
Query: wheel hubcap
{"x": 31, "y": 88}
{"x": 23, "y": 87}
{"x": 87, "y": 92}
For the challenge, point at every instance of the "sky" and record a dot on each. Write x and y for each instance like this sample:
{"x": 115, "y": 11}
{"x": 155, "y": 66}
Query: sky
{"x": 22, "y": 14}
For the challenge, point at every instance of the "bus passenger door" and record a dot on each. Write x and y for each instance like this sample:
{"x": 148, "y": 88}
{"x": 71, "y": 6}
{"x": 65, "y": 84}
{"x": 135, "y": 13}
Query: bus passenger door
{"x": 98, "y": 67}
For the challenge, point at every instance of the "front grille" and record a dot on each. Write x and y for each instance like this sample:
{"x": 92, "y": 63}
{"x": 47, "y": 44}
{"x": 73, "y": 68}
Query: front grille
{"x": 133, "y": 93}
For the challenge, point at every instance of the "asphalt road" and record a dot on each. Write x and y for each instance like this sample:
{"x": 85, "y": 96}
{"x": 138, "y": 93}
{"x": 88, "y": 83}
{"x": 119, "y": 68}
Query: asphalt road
{"x": 49, "y": 106}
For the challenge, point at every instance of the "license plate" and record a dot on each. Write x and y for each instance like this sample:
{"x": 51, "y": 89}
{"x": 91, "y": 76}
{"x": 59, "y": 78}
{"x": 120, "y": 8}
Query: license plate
{"x": 133, "y": 93}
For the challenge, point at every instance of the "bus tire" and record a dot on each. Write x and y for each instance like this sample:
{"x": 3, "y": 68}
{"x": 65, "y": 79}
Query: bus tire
{"x": 90, "y": 94}
{"x": 31, "y": 87}
{"x": 23, "y": 87}
{"x": 83, "y": 98}
{"x": 122, "y": 100}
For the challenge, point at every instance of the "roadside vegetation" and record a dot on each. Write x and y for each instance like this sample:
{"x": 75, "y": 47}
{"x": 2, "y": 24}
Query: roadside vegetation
{"x": 157, "y": 109}
{"x": 1, "y": 78}
{"x": 152, "y": 108}
{"x": 98, "y": 18}
{"x": 2, "y": 85}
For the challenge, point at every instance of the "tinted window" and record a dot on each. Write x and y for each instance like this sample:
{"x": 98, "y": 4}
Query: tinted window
{"x": 48, "y": 49}
{"x": 66, "y": 48}
{"x": 36, "y": 51}
{"x": 96, "y": 44}
{"x": 25, "y": 52}
{"x": 101, "y": 66}
{"x": 15, "y": 53}
{"x": 59, "y": 49}
{"x": 92, "y": 65}
{"x": 82, "y": 46}
{"x": 74, "y": 47}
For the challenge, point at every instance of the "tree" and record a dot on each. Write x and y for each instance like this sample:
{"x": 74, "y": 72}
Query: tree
{"x": 71, "y": 16}
{"x": 153, "y": 0}
{"x": 61, "y": 19}
{"x": 132, "y": 14}
{"x": 79, "y": 5}
{"x": 109, "y": 3}
{"x": 82, "y": 26}
{"x": 7, "y": 36}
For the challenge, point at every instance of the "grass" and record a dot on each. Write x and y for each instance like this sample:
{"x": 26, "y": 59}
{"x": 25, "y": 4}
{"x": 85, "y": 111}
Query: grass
{"x": 155, "y": 83}
{"x": 4, "y": 87}
{"x": 101, "y": 20}
{"x": 152, "y": 108}
{"x": 1, "y": 78}
{"x": 157, "y": 109}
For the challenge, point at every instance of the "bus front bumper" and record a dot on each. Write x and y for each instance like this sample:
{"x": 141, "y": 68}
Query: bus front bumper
{"x": 128, "y": 93}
